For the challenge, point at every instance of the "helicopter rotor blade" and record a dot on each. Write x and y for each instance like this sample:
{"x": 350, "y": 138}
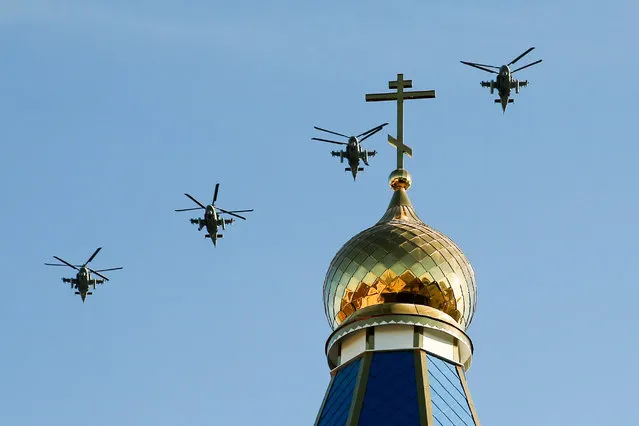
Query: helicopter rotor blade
{"x": 526, "y": 66}
{"x": 374, "y": 129}
{"x": 521, "y": 56}
{"x": 186, "y": 210}
{"x": 98, "y": 274}
{"x": 195, "y": 201}
{"x": 241, "y": 211}
{"x": 326, "y": 140}
{"x": 231, "y": 213}
{"x": 371, "y": 132}
{"x": 330, "y": 131}
{"x": 66, "y": 263}
{"x": 58, "y": 264}
{"x": 217, "y": 186}
{"x": 481, "y": 65}
{"x": 478, "y": 66}
{"x": 92, "y": 256}
{"x": 105, "y": 270}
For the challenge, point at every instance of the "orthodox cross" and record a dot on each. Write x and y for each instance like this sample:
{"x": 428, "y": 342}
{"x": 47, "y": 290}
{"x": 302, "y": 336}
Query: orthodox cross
{"x": 400, "y": 84}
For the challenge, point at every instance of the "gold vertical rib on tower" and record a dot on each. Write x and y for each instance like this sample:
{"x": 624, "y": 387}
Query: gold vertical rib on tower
{"x": 423, "y": 389}
{"x": 462, "y": 378}
{"x": 360, "y": 390}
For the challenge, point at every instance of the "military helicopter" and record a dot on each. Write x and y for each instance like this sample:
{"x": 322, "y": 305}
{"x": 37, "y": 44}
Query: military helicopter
{"x": 354, "y": 151}
{"x": 83, "y": 279}
{"x": 212, "y": 219}
{"x": 505, "y": 80}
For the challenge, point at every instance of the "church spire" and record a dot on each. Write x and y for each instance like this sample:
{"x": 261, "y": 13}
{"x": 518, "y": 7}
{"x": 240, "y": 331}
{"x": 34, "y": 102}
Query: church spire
{"x": 399, "y": 297}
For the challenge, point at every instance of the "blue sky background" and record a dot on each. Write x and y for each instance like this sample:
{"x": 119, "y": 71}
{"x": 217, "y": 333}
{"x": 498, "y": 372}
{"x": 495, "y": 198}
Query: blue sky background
{"x": 110, "y": 111}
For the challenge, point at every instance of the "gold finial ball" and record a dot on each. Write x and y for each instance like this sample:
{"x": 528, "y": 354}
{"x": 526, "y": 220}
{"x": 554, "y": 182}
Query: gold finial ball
{"x": 400, "y": 179}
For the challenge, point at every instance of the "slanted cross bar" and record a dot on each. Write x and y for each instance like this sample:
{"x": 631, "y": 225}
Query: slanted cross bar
{"x": 400, "y": 84}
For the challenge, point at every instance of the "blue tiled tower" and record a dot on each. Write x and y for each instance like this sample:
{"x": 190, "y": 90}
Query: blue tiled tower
{"x": 399, "y": 297}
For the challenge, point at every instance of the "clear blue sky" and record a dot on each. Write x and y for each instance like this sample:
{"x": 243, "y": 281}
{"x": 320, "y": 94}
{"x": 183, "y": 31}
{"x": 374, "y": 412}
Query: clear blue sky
{"x": 110, "y": 111}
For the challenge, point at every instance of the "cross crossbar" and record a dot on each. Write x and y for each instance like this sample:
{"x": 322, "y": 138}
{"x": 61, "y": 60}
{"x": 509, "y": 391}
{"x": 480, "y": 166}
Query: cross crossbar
{"x": 400, "y": 84}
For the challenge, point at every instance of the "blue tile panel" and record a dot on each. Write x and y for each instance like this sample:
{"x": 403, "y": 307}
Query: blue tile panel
{"x": 450, "y": 406}
{"x": 391, "y": 391}
{"x": 338, "y": 402}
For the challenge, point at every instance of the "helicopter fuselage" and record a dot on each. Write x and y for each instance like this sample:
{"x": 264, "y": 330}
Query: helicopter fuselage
{"x": 504, "y": 80}
{"x": 504, "y": 83}
{"x": 213, "y": 221}
{"x": 353, "y": 150}
{"x": 82, "y": 282}
{"x": 353, "y": 154}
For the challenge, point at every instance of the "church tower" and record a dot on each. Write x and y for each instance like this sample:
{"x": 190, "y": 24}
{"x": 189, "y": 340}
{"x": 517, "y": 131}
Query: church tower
{"x": 399, "y": 297}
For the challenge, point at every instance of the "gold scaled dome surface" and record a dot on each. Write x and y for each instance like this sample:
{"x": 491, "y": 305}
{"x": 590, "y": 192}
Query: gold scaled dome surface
{"x": 400, "y": 259}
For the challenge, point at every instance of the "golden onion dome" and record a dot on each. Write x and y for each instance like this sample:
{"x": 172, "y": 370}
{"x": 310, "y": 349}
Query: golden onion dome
{"x": 400, "y": 259}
